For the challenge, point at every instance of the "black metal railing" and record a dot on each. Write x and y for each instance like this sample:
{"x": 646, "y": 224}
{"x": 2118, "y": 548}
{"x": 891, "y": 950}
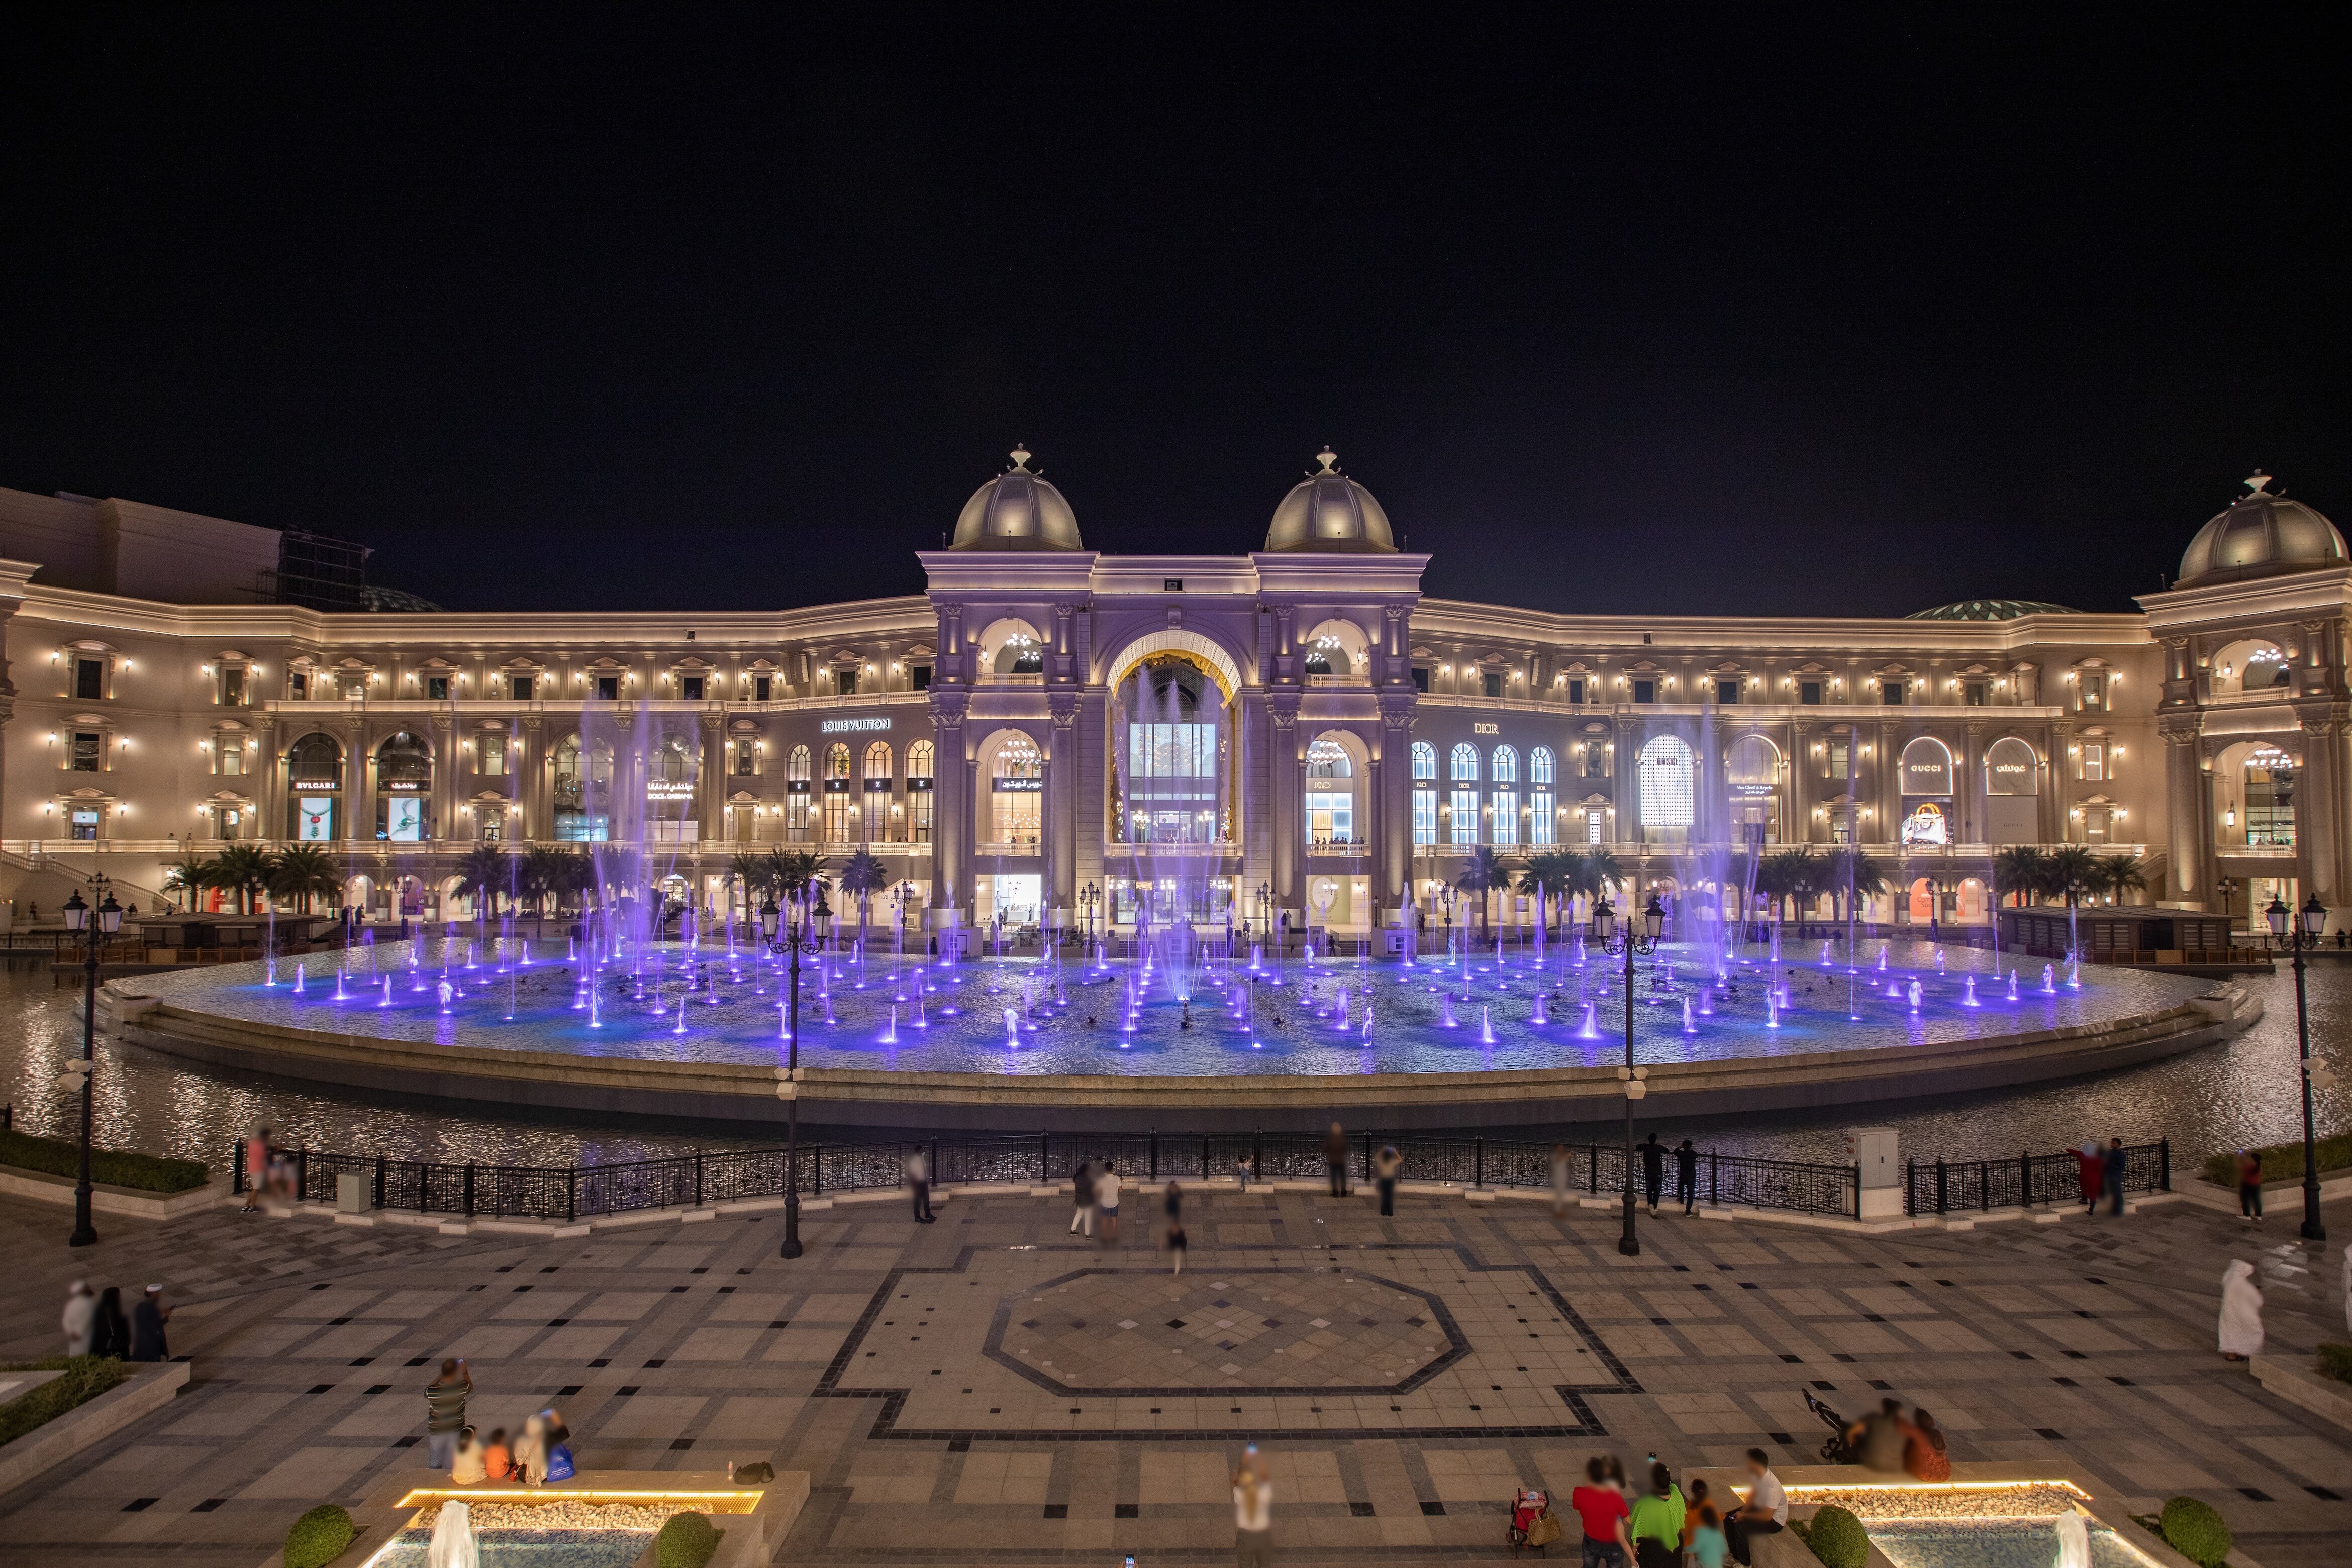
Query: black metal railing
{"x": 2025, "y": 1181}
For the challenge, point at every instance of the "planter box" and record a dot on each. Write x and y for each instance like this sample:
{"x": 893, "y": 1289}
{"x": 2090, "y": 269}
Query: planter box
{"x": 149, "y": 1388}
{"x": 126, "y": 1202}
{"x": 2293, "y": 1379}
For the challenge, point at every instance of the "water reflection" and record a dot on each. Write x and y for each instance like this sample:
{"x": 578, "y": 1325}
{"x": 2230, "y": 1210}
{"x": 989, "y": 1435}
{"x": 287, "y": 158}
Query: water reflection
{"x": 2244, "y": 1091}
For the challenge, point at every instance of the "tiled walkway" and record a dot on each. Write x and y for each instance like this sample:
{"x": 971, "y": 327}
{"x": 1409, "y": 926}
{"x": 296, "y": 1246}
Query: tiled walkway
{"x": 991, "y": 1387}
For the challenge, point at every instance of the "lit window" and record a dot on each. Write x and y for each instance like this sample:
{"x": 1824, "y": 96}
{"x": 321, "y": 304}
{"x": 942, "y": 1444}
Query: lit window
{"x": 1668, "y": 782}
{"x": 1507, "y": 797}
{"x": 1465, "y": 768}
{"x": 1540, "y": 797}
{"x": 1425, "y": 793}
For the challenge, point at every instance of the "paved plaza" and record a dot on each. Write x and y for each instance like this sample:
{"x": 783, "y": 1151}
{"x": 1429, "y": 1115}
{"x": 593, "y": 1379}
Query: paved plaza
{"x": 994, "y": 1388}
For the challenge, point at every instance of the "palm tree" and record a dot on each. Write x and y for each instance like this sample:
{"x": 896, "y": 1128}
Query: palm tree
{"x": 485, "y": 869}
{"x": 863, "y": 876}
{"x": 799, "y": 874}
{"x": 1550, "y": 875}
{"x": 190, "y": 876}
{"x": 755, "y": 872}
{"x": 1482, "y": 874}
{"x": 2071, "y": 872}
{"x": 2020, "y": 869}
{"x": 545, "y": 872}
{"x": 242, "y": 869}
{"x": 1851, "y": 875}
{"x": 2121, "y": 874}
{"x": 301, "y": 872}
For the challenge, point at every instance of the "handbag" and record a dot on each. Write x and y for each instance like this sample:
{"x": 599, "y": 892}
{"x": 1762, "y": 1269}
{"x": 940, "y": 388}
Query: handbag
{"x": 1545, "y": 1529}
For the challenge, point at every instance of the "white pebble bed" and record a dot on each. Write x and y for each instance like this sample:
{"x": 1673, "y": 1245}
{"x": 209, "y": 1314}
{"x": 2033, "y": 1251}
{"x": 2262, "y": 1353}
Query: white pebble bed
{"x": 560, "y": 1514}
{"x": 1905, "y": 1503}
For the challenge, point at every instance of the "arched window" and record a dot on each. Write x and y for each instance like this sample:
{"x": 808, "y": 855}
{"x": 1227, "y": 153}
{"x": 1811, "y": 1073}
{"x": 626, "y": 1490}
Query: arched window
{"x": 1926, "y": 767}
{"x": 1507, "y": 795}
{"x": 878, "y": 793}
{"x": 1330, "y": 794}
{"x": 1596, "y": 759}
{"x": 1465, "y": 804}
{"x": 584, "y": 791}
{"x": 674, "y": 762}
{"x": 1753, "y": 782}
{"x": 797, "y": 809}
{"x": 1016, "y": 786}
{"x": 919, "y": 775}
{"x": 1542, "y": 805}
{"x": 2011, "y": 768}
{"x": 403, "y": 772}
{"x": 841, "y": 813}
{"x": 1667, "y": 794}
{"x": 1425, "y": 793}
{"x": 315, "y": 762}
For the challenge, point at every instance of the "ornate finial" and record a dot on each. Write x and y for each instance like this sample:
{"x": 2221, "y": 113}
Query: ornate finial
{"x": 1330, "y": 460}
{"x": 2260, "y": 483}
{"x": 1020, "y": 455}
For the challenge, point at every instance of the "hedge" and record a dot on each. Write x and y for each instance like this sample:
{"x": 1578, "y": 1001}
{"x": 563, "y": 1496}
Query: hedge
{"x": 1837, "y": 1538}
{"x": 687, "y": 1540}
{"x": 318, "y": 1537}
{"x": 2335, "y": 1362}
{"x": 2196, "y": 1530}
{"x": 86, "y": 1377}
{"x": 2282, "y": 1161}
{"x": 113, "y": 1168}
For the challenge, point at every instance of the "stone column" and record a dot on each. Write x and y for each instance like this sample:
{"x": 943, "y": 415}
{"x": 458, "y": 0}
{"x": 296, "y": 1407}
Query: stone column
{"x": 272, "y": 793}
{"x": 1886, "y": 787}
{"x": 2061, "y": 793}
{"x": 359, "y": 783}
{"x": 533, "y": 782}
{"x": 1060, "y": 838}
{"x": 713, "y": 805}
{"x": 444, "y": 794}
{"x": 1392, "y": 778}
{"x": 2184, "y": 791}
{"x": 1799, "y": 827}
{"x": 1287, "y": 804}
{"x": 1621, "y": 787}
{"x": 952, "y": 822}
{"x": 1972, "y": 790}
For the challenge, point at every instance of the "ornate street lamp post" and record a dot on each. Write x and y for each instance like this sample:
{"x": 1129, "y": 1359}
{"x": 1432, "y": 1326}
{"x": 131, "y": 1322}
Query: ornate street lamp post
{"x": 110, "y": 921}
{"x": 1631, "y": 940}
{"x": 2301, "y": 928}
{"x": 788, "y": 935}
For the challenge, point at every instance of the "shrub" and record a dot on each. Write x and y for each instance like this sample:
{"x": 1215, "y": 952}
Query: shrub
{"x": 86, "y": 1377}
{"x": 318, "y": 1537}
{"x": 2282, "y": 1161}
{"x": 110, "y": 1167}
{"x": 687, "y": 1540}
{"x": 2335, "y": 1362}
{"x": 1837, "y": 1538}
{"x": 2195, "y": 1531}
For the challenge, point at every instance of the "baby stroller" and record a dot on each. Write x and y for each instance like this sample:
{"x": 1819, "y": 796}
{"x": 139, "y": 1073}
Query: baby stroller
{"x": 1837, "y": 1450}
{"x": 1532, "y": 1523}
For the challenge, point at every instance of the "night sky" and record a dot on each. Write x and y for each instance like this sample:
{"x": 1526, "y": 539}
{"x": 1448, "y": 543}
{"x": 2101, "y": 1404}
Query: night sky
{"x": 567, "y": 309}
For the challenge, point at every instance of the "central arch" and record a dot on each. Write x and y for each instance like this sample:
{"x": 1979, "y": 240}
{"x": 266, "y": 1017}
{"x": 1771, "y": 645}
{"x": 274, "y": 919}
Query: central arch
{"x": 1215, "y": 659}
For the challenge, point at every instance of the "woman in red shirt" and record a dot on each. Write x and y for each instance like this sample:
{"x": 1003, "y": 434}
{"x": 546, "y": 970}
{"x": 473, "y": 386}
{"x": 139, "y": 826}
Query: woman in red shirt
{"x": 1602, "y": 1511}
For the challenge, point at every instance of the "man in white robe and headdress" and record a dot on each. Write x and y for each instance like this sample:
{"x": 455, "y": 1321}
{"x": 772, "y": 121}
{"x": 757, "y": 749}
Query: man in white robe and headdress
{"x": 2242, "y": 1312}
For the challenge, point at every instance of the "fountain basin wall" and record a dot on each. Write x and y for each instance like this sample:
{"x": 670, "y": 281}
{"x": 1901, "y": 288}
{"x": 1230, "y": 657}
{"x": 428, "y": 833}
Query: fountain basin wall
{"x": 1106, "y": 1103}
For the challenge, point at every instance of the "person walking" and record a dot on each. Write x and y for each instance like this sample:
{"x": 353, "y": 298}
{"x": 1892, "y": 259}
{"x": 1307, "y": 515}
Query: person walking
{"x": 1242, "y": 1173}
{"x": 2113, "y": 1176}
{"x": 444, "y": 1412}
{"x": 1386, "y": 1164}
{"x": 1559, "y": 1179}
{"x": 2250, "y": 1185}
{"x": 1107, "y": 1200}
{"x": 1653, "y": 1168}
{"x": 2089, "y": 1167}
{"x": 80, "y": 1317}
{"x": 1082, "y": 1196}
{"x": 919, "y": 1177}
{"x": 257, "y": 1168}
{"x": 1686, "y": 1176}
{"x": 1601, "y": 1509}
{"x": 1335, "y": 1158}
{"x": 147, "y": 1320}
{"x": 1766, "y": 1511}
{"x": 110, "y": 1330}
{"x": 1253, "y": 1512}
{"x": 2242, "y": 1312}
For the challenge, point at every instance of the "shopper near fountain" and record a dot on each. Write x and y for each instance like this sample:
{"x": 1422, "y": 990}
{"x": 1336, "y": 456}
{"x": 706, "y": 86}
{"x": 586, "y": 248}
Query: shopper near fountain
{"x": 1241, "y": 1172}
{"x": 559, "y": 1446}
{"x": 1601, "y": 1509}
{"x": 147, "y": 1320}
{"x": 1253, "y": 1512}
{"x": 498, "y": 1459}
{"x": 2250, "y": 1185}
{"x": 1924, "y": 1453}
{"x": 2242, "y": 1312}
{"x": 1876, "y": 1439}
{"x": 80, "y": 1317}
{"x": 257, "y": 1168}
{"x": 1653, "y": 1168}
{"x": 1686, "y": 1176}
{"x": 444, "y": 1412}
{"x": 919, "y": 1179}
{"x": 1559, "y": 1180}
{"x": 1703, "y": 1543}
{"x": 1082, "y": 1198}
{"x": 1335, "y": 1158}
{"x": 1656, "y": 1523}
{"x": 1107, "y": 1200}
{"x": 109, "y": 1332}
{"x": 1386, "y": 1165}
{"x": 1766, "y": 1511}
{"x": 2113, "y": 1176}
{"x": 2090, "y": 1169}
{"x": 471, "y": 1466}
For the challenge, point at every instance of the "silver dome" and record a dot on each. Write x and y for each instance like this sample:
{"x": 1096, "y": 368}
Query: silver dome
{"x": 1329, "y": 511}
{"x": 1017, "y": 510}
{"x": 2260, "y": 534}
